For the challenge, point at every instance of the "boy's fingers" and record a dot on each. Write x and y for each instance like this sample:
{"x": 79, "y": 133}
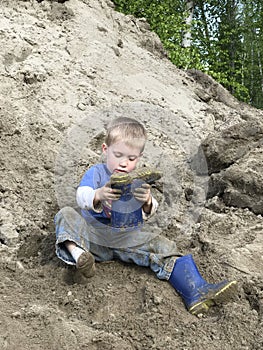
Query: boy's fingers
{"x": 115, "y": 196}
{"x": 141, "y": 190}
{"x": 110, "y": 189}
{"x": 140, "y": 193}
{"x": 146, "y": 186}
{"x": 116, "y": 191}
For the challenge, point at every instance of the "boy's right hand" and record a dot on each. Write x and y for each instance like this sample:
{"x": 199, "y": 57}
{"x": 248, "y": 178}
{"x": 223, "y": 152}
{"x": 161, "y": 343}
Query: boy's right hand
{"x": 107, "y": 193}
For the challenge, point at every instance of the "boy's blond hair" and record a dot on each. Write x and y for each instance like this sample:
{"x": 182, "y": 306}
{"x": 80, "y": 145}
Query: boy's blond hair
{"x": 127, "y": 130}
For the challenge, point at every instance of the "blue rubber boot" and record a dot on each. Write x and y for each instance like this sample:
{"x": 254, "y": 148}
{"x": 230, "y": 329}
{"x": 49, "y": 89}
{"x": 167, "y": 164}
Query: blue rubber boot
{"x": 197, "y": 294}
{"x": 126, "y": 212}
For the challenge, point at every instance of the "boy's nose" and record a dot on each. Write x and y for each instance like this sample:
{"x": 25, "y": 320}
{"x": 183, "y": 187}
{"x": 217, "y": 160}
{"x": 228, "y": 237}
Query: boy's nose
{"x": 124, "y": 162}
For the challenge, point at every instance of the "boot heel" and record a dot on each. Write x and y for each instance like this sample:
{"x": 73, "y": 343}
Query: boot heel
{"x": 201, "y": 308}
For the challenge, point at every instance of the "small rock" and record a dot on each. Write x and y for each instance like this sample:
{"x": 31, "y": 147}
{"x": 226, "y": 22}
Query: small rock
{"x": 157, "y": 299}
{"x": 19, "y": 265}
{"x": 16, "y": 314}
{"x": 102, "y": 29}
{"x": 81, "y": 106}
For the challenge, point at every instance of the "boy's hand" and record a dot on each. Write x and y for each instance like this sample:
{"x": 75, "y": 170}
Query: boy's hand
{"x": 143, "y": 194}
{"x": 106, "y": 193}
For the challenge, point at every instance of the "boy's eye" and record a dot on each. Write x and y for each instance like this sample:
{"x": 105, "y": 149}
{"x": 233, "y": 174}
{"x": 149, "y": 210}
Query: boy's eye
{"x": 120, "y": 155}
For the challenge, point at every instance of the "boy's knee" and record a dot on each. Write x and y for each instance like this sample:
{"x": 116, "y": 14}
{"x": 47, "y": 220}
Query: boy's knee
{"x": 66, "y": 212}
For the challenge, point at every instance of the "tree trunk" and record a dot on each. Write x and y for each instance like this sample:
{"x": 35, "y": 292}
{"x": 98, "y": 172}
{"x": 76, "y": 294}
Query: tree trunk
{"x": 186, "y": 42}
{"x": 260, "y": 70}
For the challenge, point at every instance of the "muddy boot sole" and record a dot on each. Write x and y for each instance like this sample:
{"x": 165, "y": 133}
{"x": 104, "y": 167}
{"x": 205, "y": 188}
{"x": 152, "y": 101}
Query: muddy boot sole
{"x": 120, "y": 179}
{"x": 149, "y": 175}
{"x": 223, "y": 295}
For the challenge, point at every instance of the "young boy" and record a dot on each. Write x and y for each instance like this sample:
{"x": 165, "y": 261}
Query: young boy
{"x": 115, "y": 201}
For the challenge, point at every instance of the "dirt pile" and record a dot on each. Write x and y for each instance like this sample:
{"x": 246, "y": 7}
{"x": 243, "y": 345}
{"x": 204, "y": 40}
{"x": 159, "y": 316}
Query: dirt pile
{"x": 66, "y": 69}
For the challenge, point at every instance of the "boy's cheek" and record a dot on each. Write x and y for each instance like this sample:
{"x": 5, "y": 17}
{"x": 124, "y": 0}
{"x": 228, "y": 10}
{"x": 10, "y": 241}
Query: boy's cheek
{"x": 133, "y": 166}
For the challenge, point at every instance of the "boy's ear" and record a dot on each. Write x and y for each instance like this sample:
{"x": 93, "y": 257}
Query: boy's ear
{"x": 104, "y": 148}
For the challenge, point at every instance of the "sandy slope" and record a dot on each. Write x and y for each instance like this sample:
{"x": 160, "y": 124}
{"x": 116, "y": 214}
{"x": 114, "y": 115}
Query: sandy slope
{"x": 66, "y": 70}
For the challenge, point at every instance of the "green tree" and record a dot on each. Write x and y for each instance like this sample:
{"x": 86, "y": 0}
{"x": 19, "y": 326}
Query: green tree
{"x": 223, "y": 38}
{"x": 218, "y": 34}
{"x": 253, "y": 50}
{"x": 170, "y": 20}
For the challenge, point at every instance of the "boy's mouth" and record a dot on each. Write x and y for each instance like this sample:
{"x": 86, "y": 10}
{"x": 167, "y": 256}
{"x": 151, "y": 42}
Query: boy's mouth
{"x": 120, "y": 171}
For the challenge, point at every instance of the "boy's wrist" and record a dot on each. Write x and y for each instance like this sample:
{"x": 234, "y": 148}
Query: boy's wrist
{"x": 149, "y": 202}
{"x": 96, "y": 199}
{"x": 148, "y": 206}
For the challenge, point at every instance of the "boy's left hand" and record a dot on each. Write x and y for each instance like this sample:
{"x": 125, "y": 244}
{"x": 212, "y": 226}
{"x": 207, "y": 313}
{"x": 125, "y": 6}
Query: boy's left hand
{"x": 143, "y": 194}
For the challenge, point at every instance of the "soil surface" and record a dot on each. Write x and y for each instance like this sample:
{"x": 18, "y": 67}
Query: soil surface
{"x": 67, "y": 68}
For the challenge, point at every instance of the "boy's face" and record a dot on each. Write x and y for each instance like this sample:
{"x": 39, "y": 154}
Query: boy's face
{"x": 120, "y": 157}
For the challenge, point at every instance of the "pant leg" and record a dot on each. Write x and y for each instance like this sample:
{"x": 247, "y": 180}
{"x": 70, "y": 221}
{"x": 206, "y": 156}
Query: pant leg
{"x": 159, "y": 254}
{"x": 71, "y": 226}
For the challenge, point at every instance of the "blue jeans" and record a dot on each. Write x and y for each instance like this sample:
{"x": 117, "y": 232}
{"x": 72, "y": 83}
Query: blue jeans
{"x": 158, "y": 253}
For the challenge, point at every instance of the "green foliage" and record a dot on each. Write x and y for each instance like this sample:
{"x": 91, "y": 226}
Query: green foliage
{"x": 167, "y": 20}
{"x": 226, "y": 39}
{"x": 238, "y": 90}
